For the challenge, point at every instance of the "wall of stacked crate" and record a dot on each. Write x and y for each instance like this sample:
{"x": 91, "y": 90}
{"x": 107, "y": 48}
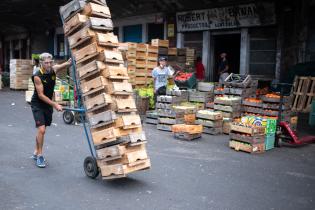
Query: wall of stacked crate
{"x": 20, "y": 72}
{"x": 168, "y": 115}
{"x": 115, "y": 127}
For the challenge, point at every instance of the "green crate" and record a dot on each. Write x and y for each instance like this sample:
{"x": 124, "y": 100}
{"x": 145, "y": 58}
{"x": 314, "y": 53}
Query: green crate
{"x": 313, "y": 106}
{"x": 311, "y": 120}
{"x": 190, "y": 83}
{"x": 270, "y": 141}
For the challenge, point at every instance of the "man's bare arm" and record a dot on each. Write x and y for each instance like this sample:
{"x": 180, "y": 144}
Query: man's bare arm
{"x": 62, "y": 66}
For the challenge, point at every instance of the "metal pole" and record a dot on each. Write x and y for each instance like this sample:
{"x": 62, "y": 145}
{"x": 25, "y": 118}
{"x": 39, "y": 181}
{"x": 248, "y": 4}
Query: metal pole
{"x": 78, "y": 90}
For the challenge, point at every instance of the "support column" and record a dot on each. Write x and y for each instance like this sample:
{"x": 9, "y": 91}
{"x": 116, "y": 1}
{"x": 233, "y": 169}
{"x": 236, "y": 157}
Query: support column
{"x": 180, "y": 40}
{"x": 144, "y": 32}
{"x": 206, "y": 55}
{"x": 121, "y": 34}
{"x": 244, "y": 52}
{"x": 11, "y": 49}
{"x": 165, "y": 30}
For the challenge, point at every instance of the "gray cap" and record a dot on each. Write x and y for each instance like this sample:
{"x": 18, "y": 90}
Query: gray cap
{"x": 162, "y": 59}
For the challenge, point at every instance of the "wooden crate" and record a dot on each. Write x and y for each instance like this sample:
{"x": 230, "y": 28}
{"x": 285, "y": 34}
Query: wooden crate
{"x": 209, "y": 115}
{"x": 132, "y": 62}
{"x": 224, "y": 108}
{"x": 212, "y": 131}
{"x": 141, "y": 47}
{"x": 134, "y": 139}
{"x": 21, "y": 71}
{"x": 183, "y": 128}
{"x": 87, "y": 52}
{"x": 210, "y": 123}
{"x": 107, "y": 39}
{"x": 239, "y": 146}
{"x": 100, "y": 24}
{"x": 151, "y": 64}
{"x": 248, "y": 129}
{"x": 172, "y": 51}
{"x": 170, "y": 121}
{"x": 101, "y": 118}
{"x": 73, "y": 7}
{"x": 205, "y": 86}
{"x": 141, "y": 64}
{"x": 98, "y": 101}
{"x": 129, "y": 156}
{"x": 128, "y": 121}
{"x": 115, "y": 72}
{"x": 117, "y": 151}
{"x": 187, "y": 136}
{"x": 92, "y": 68}
{"x": 121, "y": 170}
{"x": 103, "y": 136}
{"x": 93, "y": 85}
{"x": 96, "y": 10}
{"x": 124, "y": 104}
{"x": 112, "y": 57}
{"x": 141, "y": 55}
{"x": 258, "y": 139}
{"x": 152, "y": 49}
{"x": 131, "y": 54}
{"x": 74, "y": 24}
{"x": 80, "y": 37}
{"x": 164, "y": 127}
{"x": 119, "y": 88}
{"x": 152, "y": 57}
{"x": 228, "y": 100}
{"x": 160, "y": 43}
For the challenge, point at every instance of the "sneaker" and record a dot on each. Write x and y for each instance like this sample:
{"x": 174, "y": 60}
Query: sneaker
{"x": 34, "y": 157}
{"x": 40, "y": 162}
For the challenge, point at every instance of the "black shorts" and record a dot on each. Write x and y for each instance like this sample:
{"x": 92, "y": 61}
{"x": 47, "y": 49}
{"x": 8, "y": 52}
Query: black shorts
{"x": 42, "y": 116}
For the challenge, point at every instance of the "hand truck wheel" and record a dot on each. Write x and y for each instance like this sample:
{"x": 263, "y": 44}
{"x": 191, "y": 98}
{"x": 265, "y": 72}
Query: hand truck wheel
{"x": 68, "y": 116}
{"x": 90, "y": 167}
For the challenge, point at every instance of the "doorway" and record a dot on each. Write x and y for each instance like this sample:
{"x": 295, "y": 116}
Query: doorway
{"x": 230, "y": 44}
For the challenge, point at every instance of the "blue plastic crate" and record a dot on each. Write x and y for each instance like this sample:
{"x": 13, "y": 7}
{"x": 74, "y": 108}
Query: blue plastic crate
{"x": 270, "y": 141}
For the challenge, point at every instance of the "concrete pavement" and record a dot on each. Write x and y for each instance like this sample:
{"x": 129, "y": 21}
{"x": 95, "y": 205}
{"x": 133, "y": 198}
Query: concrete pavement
{"x": 203, "y": 174}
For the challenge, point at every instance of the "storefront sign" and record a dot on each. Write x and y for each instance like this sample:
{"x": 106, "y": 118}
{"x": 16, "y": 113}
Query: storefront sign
{"x": 227, "y": 17}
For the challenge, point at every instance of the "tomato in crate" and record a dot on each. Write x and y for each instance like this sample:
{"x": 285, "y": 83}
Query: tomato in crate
{"x": 186, "y": 80}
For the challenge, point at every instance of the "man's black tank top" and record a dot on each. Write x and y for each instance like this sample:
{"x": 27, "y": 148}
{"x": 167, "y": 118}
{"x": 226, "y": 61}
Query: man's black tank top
{"x": 48, "y": 81}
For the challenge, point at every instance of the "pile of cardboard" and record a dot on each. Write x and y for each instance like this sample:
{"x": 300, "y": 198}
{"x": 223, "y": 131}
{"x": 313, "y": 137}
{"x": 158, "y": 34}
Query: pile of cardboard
{"x": 115, "y": 127}
{"x": 20, "y": 72}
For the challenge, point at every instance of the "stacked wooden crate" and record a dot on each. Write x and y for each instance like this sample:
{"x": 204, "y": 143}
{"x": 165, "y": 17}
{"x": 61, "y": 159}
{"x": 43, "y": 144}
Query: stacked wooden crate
{"x": 212, "y": 121}
{"x": 165, "y": 108}
{"x": 271, "y": 106}
{"x": 116, "y": 129}
{"x": 151, "y": 61}
{"x": 252, "y": 106}
{"x": 240, "y": 85}
{"x": 247, "y": 138}
{"x": 162, "y": 45}
{"x": 20, "y": 72}
{"x": 229, "y": 106}
{"x": 141, "y": 63}
{"x": 131, "y": 53}
{"x": 152, "y": 117}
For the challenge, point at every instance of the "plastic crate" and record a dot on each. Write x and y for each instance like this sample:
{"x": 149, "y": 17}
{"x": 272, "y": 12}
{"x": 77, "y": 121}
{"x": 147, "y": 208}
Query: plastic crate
{"x": 313, "y": 106}
{"x": 190, "y": 83}
{"x": 270, "y": 141}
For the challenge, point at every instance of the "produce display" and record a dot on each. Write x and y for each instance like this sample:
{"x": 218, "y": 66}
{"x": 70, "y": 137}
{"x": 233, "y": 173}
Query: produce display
{"x": 186, "y": 80}
{"x": 147, "y": 92}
